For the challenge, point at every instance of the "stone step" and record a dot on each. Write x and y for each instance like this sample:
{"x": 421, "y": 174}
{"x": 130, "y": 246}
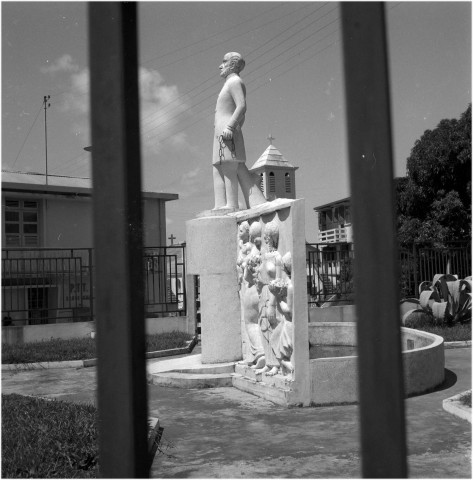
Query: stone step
{"x": 190, "y": 380}
{"x": 276, "y": 394}
{"x": 207, "y": 369}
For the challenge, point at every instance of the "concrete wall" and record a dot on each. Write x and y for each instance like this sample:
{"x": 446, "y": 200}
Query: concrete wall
{"x": 154, "y": 223}
{"x": 67, "y": 222}
{"x": 346, "y": 313}
{"x": 335, "y": 380}
{"x": 331, "y": 333}
{"x": 38, "y": 333}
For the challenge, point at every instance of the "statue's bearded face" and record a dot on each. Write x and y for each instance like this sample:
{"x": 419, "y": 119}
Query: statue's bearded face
{"x": 227, "y": 66}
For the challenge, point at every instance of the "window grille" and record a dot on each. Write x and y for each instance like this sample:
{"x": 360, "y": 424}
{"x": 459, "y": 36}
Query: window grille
{"x": 288, "y": 183}
{"x": 261, "y": 184}
{"x": 21, "y": 223}
{"x": 272, "y": 182}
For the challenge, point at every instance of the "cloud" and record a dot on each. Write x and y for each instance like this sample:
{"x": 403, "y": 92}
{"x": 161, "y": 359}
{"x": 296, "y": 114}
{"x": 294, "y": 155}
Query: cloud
{"x": 62, "y": 64}
{"x": 193, "y": 183}
{"x": 162, "y": 107}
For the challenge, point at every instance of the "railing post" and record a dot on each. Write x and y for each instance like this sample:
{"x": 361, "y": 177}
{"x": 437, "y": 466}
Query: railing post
{"x": 122, "y": 389}
{"x": 382, "y": 422}
{"x": 416, "y": 276}
{"x": 91, "y": 284}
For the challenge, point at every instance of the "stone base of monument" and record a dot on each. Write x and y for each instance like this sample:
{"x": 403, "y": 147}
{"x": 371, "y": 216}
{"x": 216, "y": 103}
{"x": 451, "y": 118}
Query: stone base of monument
{"x": 213, "y": 248}
{"x": 190, "y": 372}
{"x": 276, "y": 388}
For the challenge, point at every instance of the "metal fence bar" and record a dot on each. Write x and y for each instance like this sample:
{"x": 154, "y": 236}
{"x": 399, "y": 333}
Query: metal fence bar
{"x": 122, "y": 393}
{"x": 382, "y": 422}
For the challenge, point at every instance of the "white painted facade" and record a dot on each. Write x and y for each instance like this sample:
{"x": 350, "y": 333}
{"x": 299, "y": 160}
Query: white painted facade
{"x": 59, "y": 215}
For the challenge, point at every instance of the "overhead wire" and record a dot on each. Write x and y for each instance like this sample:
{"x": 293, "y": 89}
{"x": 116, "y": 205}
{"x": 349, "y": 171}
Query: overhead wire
{"x": 254, "y": 70}
{"x": 215, "y": 82}
{"x": 27, "y": 135}
{"x": 251, "y": 90}
{"x": 250, "y": 81}
{"x": 258, "y": 27}
{"x": 213, "y": 35}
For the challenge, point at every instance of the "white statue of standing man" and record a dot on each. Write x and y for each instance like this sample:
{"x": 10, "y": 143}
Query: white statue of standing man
{"x": 229, "y": 154}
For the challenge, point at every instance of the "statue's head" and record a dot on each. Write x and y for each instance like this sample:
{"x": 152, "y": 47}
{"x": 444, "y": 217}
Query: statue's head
{"x": 255, "y": 231}
{"x": 271, "y": 234}
{"x": 287, "y": 263}
{"x": 244, "y": 231}
{"x": 232, "y": 63}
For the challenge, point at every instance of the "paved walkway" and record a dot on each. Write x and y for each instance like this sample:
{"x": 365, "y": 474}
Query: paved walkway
{"x": 225, "y": 433}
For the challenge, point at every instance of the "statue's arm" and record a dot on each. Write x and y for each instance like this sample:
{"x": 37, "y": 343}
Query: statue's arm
{"x": 238, "y": 92}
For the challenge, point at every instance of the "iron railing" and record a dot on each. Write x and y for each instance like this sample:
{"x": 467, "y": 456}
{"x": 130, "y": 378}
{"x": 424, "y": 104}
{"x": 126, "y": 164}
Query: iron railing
{"x": 46, "y": 285}
{"x": 330, "y": 269}
{"x": 329, "y": 273}
{"x": 165, "y": 274}
{"x": 422, "y": 261}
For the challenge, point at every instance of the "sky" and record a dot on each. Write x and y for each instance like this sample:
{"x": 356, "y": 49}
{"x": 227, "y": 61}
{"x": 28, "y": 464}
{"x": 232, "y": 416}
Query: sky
{"x": 293, "y": 75}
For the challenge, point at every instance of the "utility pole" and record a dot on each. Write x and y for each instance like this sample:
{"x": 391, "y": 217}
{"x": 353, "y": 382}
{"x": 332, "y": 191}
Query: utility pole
{"x": 46, "y": 106}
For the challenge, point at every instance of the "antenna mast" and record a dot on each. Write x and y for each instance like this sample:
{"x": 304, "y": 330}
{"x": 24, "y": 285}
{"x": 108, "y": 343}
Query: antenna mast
{"x": 46, "y": 106}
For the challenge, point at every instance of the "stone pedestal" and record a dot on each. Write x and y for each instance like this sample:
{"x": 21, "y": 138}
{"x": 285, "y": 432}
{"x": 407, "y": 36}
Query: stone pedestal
{"x": 212, "y": 247}
{"x": 212, "y": 251}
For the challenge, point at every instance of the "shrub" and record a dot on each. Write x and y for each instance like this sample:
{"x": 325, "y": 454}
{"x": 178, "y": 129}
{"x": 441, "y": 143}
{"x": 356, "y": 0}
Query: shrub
{"x": 445, "y": 300}
{"x": 48, "y": 439}
{"x": 466, "y": 399}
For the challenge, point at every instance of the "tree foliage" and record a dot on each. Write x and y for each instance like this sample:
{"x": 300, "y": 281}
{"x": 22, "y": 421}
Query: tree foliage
{"x": 434, "y": 199}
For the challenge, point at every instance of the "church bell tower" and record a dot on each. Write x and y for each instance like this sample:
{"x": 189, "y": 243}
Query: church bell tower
{"x": 278, "y": 176}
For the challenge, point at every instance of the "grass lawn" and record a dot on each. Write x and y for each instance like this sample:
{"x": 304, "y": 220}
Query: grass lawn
{"x": 450, "y": 334}
{"x": 80, "y": 348}
{"x": 466, "y": 399}
{"x": 48, "y": 439}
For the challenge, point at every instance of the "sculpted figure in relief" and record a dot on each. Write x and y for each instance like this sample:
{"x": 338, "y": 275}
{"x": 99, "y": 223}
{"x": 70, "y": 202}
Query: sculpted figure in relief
{"x": 270, "y": 271}
{"x": 282, "y": 338}
{"x": 244, "y": 248}
{"x": 248, "y": 261}
{"x": 229, "y": 155}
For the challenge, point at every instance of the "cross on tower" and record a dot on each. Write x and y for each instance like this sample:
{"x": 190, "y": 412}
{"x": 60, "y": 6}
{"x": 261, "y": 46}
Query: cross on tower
{"x": 172, "y": 238}
{"x": 271, "y": 138}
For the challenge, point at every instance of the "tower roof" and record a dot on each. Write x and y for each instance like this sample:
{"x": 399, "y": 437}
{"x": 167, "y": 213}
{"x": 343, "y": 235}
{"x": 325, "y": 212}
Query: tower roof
{"x": 272, "y": 157}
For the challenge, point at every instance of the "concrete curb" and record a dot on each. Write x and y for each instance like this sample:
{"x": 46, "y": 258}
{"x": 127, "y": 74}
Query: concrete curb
{"x": 454, "y": 406}
{"x": 92, "y": 362}
{"x": 158, "y": 354}
{"x": 460, "y": 344}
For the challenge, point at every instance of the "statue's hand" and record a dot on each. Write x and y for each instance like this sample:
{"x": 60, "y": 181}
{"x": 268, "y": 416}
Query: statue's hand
{"x": 227, "y": 134}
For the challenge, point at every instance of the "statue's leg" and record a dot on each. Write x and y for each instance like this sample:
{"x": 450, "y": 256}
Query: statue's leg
{"x": 249, "y": 186}
{"x": 219, "y": 187}
{"x": 231, "y": 183}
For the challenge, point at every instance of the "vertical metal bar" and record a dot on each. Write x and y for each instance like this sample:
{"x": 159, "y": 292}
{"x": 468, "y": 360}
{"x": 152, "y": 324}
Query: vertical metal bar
{"x": 184, "y": 280}
{"x": 416, "y": 268}
{"x": 376, "y": 273}
{"x": 122, "y": 391}
{"x": 91, "y": 285}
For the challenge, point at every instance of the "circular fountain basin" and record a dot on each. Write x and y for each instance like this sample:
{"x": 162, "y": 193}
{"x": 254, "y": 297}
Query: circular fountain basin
{"x": 334, "y": 379}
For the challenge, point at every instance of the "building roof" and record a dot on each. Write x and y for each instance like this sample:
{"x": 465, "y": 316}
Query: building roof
{"x": 333, "y": 204}
{"x": 77, "y": 186}
{"x": 272, "y": 157}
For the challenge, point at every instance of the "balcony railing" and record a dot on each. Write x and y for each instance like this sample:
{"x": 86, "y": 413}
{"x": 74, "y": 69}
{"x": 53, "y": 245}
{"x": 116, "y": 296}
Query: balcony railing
{"x": 335, "y": 235}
